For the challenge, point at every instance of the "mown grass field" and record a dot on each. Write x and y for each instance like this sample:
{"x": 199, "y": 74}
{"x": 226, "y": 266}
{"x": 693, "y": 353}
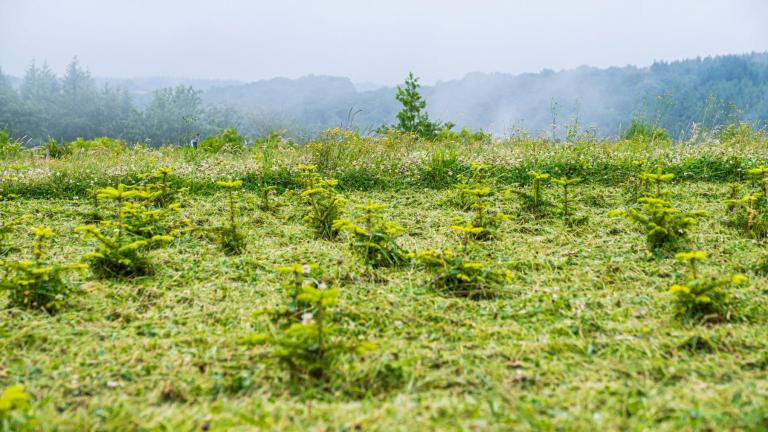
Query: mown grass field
{"x": 583, "y": 337}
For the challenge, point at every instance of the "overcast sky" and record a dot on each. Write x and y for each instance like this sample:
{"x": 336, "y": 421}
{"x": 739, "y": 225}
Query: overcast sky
{"x": 366, "y": 40}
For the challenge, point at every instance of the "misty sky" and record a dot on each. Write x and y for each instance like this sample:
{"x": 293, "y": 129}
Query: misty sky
{"x": 373, "y": 41}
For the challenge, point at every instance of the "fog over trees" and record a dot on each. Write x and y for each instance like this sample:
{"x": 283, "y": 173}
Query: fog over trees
{"x": 709, "y": 92}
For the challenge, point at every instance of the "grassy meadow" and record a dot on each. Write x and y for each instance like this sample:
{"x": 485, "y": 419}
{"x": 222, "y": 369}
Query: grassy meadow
{"x": 579, "y": 332}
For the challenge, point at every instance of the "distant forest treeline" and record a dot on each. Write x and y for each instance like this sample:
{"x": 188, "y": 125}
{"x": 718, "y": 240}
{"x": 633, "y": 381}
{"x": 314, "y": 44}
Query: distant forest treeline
{"x": 709, "y": 92}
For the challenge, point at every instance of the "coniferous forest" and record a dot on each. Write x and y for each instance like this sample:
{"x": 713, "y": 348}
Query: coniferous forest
{"x": 683, "y": 97}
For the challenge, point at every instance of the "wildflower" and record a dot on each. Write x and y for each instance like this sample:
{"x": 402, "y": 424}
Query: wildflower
{"x": 306, "y": 318}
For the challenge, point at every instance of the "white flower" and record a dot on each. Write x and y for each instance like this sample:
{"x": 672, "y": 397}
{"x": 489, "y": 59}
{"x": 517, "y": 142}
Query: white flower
{"x": 322, "y": 286}
{"x": 306, "y": 317}
{"x": 305, "y": 268}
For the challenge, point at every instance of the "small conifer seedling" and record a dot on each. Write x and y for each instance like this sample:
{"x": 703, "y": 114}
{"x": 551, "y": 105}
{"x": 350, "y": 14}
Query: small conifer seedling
{"x": 468, "y": 232}
{"x": 483, "y": 216}
{"x": 120, "y": 252}
{"x": 458, "y": 276}
{"x": 266, "y": 191}
{"x": 311, "y": 346}
{"x": 759, "y": 177}
{"x": 733, "y": 195}
{"x": 324, "y": 207}
{"x": 748, "y": 215}
{"x": 161, "y": 187}
{"x": 374, "y": 238}
{"x": 663, "y": 224}
{"x": 36, "y": 283}
{"x": 266, "y": 194}
{"x": 165, "y": 193}
{"x": 702, "y": 299}
{"x": 656, "y": 180}
{"x": 94, "y": 215}
{"x": 566, "y": 183}
{"x": 534, "y": 202}
{"x": 469, "y": 189}
{"x": 297, "y": 276}
{"x": 537, "y": 197}
{"x": 231, "y": 238}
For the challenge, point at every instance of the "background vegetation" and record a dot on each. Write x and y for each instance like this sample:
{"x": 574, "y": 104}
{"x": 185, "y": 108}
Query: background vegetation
{"x": 686, "y": 98}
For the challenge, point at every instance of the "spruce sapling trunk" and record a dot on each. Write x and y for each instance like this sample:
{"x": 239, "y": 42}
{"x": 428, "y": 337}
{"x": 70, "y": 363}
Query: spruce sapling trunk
{"x": 565, "y": 200}
{"x": 119, "y": 219}
{"x": 566, "y": 183}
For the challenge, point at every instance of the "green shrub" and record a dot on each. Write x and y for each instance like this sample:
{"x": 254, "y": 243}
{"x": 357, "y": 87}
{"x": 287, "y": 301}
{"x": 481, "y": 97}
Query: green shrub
{"x": 738, "y": 133}
{"x": 8, "y": 147}
{"x": 105, "y": 144}
{"x": 441, "y": 169}
{"x": 56, "y": 150}
{"x": 227, "y": 140}
{"x": 464, "y": 136}
{"x": 640, "y": 131}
